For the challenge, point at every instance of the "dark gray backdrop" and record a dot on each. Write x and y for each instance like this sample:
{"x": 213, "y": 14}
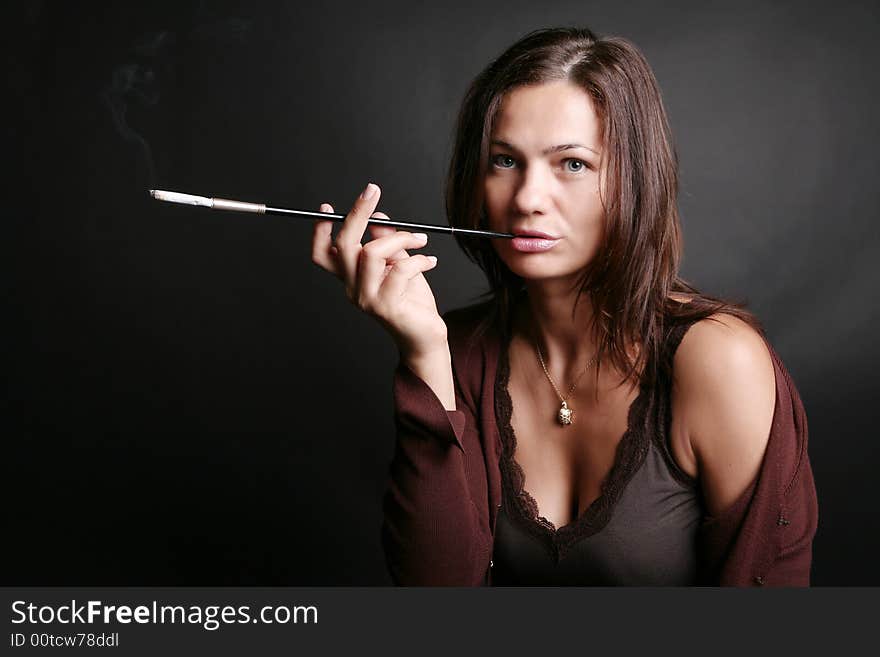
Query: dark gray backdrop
{"x": 190, "y": 401}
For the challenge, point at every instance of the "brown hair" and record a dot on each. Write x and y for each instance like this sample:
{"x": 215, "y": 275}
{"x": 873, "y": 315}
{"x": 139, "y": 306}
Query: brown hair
{"x": 636, "y": 268}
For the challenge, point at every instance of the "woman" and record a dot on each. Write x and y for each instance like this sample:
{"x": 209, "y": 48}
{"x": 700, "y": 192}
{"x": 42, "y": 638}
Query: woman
{"x": 680, "y": 460}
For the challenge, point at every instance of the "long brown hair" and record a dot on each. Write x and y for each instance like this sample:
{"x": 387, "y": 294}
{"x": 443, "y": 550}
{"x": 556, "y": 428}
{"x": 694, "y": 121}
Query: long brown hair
{"x": 636, "y": 268}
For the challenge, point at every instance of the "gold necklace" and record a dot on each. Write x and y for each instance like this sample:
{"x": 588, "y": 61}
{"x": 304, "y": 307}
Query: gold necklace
{"x": 564, "y": 416}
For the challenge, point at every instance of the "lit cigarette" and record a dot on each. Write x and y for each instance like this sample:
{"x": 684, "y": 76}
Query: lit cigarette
{"x": 261, "y": 208}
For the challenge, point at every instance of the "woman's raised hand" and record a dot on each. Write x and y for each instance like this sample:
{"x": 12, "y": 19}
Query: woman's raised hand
{"x": 380, "y": 277}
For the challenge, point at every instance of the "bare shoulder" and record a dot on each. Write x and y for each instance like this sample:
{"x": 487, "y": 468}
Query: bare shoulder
{"x": 724, "y": 395}
{"x": 719, "y": 346}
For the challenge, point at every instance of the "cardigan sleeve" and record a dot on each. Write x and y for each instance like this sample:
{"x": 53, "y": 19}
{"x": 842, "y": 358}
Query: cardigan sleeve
{"x": 431, "y": 532}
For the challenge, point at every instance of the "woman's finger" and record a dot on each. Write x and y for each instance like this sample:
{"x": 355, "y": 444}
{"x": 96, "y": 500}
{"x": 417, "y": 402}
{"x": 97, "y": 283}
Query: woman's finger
{"x": 323, "y": 252}
{"x": 377, "y": 231}
{"x": 401, "y": 273}
{"x": 375, "y": 257}
{"x": 348, "y": 240}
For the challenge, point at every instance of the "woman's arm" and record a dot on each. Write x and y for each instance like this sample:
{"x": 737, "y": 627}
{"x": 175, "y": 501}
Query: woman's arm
{"x": 748, "y": 430}
{"x": 431, "y": 532}
{"x": 724, "y": 396}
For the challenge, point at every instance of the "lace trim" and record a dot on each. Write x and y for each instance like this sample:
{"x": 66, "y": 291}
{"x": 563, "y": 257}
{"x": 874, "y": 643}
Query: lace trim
{"x": 519, "y": 504}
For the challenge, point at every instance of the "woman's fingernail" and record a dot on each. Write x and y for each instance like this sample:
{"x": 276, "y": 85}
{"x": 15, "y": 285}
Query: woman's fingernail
{"x": 369, "y": 192}
{"x": 421, "y": 237}
{"x": 433, "y": 259}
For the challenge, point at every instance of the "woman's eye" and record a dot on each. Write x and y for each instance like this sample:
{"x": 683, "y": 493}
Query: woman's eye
{"x": 503, "y": 161}
{"x": 574, "y": 165}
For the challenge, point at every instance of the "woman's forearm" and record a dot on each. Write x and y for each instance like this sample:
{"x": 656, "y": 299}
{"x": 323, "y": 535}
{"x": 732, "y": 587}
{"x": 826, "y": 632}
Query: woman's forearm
{"x": 435, "y": 369}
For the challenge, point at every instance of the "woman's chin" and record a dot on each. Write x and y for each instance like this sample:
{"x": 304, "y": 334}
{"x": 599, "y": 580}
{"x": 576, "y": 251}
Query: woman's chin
{"x": 540, "y": 266}
{"x": 534, "y": 270}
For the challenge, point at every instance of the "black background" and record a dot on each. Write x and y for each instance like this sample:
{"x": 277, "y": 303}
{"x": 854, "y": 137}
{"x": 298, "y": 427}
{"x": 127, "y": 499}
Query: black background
{"x": 189, "y": 400}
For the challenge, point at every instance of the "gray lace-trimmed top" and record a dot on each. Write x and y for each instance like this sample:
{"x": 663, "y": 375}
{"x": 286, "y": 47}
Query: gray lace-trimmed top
{"x": 640, "y": 531}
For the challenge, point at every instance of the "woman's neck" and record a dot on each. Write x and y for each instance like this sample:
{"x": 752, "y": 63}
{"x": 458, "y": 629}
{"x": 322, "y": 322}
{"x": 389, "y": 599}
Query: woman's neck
{"x": 545, "y": 315}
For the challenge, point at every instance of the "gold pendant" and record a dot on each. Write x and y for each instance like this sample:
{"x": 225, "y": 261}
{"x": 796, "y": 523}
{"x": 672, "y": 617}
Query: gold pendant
{"x": 565, "y": 413}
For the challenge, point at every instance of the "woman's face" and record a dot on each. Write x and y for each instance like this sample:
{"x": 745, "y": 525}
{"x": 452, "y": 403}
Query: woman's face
{"x": 543, "y": 176}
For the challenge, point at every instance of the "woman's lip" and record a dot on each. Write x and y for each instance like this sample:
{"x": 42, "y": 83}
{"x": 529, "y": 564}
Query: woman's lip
{"x": 535, "y": 233}
{"x": 532, "y": 244}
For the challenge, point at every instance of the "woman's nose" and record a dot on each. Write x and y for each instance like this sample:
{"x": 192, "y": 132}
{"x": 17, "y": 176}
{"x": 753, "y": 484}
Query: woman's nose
{"x": 532, "y": 194}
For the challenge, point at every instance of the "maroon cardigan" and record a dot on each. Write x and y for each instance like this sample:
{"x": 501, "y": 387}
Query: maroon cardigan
{"x": 443, "y": 491}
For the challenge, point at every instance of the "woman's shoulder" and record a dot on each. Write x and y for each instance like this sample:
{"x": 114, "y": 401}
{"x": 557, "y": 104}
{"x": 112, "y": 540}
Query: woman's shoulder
{"x": 722, "y": 343}
{"x": 724, "y": 355}
{"x": 694, "y": 334}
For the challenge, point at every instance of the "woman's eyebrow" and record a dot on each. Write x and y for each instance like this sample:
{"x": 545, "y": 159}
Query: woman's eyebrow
{"x": 546, "y": 151}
